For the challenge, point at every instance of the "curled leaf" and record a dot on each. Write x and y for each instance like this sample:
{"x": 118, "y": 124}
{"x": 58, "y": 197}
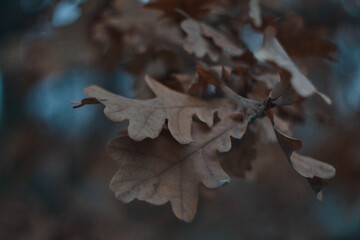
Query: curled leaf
{"x": 221, "y": 41}
{"x": 310, "y": 168}
{"x": 315, "y": 171}
{"x": 85, "y": 101}
{"x": 273, "y": 52}
{"x": 255, "y": 12}
{"x": 242, "y": 102}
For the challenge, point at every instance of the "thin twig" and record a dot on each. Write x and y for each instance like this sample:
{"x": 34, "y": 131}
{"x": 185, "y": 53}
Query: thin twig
{"x": 267, "y": 104}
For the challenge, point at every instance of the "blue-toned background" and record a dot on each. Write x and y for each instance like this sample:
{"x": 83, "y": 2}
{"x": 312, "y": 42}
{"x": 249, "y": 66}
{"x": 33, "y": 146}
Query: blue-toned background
{"x": 54, "y": 174}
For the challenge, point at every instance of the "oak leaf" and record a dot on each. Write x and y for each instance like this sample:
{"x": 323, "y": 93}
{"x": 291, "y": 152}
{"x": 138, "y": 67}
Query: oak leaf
{"x": 282, "y": 93}
{"x": 303, "y": 40}
{"x": 221, "y": 41}
{"x": 239, "y": 159}
{"x": 138, "y": 32}
{"x": 316, "y": 172}
{"x": 162, "y": 170}
{"x": 195, "y": 43}
{"x": 211, "y": 76}
{"x": 273, "y": 52}
{"x": 255, "y": 12}
{"x": 242, "y": 102}
{"x": 147, "y": 117}
{"x": 186, "y": 81}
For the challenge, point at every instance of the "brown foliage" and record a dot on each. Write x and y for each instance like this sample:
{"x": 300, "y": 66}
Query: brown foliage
{"x": 147, "y": 117}
{"x": 191, "y": 128}
{"x": 163, "y": 170}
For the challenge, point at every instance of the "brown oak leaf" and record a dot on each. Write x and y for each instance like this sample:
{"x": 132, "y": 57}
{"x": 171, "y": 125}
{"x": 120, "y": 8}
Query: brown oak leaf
{"x": 162, "y": 170}
{"x": 255, "y": 12}
{"x": 303, "y": 40}
{"x": 147, "y": 117}
{"x": 210, "y": 75}
{"x": 243, "y": 152}
{"x": 221, "y": 41}
{"x": 242, "y": 102}
{"x": 138, "y": 32}
{"x": 282, "y": 93}
{"x": 316, "y": 172}
{"x": 195, "y": 42}
{"x": 273, "y": 52}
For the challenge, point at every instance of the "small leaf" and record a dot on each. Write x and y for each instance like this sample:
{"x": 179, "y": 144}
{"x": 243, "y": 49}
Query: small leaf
{"x": 85, "y": 101}
{"x": 195, "y": 43}
{"x": 221, "y": 41}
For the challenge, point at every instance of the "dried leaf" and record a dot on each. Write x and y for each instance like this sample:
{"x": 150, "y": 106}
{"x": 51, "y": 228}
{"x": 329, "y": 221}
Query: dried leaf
{"x": 282, "y": 93}
{"x": 221, "y": 41}
{"x": 310, "y": 168}
{"x": 208, "y": 75}
{"x": 128, "y": 13}
{"x": 238, "y": 160}
{"x": 161, "y": 170}
{"x": 255, "y": 12}
{"x": 242, "y": 102}
{"x": 315, "y": 171}
{"x": 186, "y": 81}
{"x": 147, "y": 117}
{"x": 270, "y": 79}
{"x": 273, "y": 52}
{"x": 85, "y": 101}
{"x": 195, "y": 43}
{"x": 211, "y": 76}
{"x": 280, "y": 87}
{"x": 137, "y": 32}
{"x": 303, "y": 40}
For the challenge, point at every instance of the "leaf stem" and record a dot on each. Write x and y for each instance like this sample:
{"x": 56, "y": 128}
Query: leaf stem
{"x": 267, "y": 104}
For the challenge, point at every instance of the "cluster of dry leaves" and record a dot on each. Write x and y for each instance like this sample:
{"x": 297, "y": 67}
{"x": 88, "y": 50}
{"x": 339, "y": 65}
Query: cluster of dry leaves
{"x": 213, "y": 96}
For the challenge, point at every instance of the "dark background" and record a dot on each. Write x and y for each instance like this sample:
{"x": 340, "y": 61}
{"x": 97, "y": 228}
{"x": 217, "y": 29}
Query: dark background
{"x": 54, "y": 173}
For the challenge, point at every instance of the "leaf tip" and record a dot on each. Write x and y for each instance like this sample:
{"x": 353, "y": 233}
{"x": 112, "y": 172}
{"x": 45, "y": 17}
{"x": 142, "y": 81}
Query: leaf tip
{"x": 325, "y": 98}
{"x": 222, "y": 183}
{"x": 85, "y": 101}
{"x": 319, "y": 196}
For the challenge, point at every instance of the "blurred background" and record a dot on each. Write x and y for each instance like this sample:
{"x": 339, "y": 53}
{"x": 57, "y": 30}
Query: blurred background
{"x": 54, "y": 174}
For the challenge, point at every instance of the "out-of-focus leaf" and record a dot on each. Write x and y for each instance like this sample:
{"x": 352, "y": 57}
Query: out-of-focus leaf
{"x": 221, "y": 41}
{"x": 255, "y": 12}
{"x": 195, "y": 43}
{"x": 273, "y": 52}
